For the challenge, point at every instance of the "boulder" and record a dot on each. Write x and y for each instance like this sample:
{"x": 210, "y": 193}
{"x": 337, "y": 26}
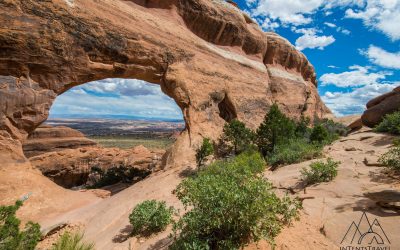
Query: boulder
{"x": 380, "y": 106}
{"x": 355, "y": 125}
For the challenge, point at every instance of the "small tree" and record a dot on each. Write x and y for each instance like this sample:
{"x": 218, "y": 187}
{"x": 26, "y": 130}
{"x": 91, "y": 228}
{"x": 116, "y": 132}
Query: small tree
{"x": 276, "y": 128}
{"x": 206, "y": 149}
{"x": 238, "y": 136}
{"x": 319, "y": 134}
{"x": 11, "y": 238}
{"x": 150, "y": 216}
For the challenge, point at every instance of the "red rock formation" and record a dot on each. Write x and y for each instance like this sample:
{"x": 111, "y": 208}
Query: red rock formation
{"x": 47, "y": 139}
{"x": 211, "y": 58}
{"x": 380, "y": 106}
{"x": 71, "y": 167}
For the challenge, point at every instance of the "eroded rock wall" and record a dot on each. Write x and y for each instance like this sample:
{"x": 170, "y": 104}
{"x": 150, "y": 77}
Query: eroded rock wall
{"x": 211, "y": 58}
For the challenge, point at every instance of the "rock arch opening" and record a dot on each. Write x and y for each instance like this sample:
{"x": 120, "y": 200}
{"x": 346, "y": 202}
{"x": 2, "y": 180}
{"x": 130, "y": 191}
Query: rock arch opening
{"x": 123, "y": 126}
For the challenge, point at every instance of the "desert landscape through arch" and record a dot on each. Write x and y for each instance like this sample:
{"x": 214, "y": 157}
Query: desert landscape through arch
{"x": 108, "y": 124}
{"x": 218, "y": 65}
{"x": 207, "y": 55}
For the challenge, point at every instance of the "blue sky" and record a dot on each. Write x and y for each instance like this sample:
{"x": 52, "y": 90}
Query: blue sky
{"x": 354, "y": 46}
{"x": 116, "y": 97}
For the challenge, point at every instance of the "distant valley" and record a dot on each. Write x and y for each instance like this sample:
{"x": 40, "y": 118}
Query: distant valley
{"x": 125, "y": 133}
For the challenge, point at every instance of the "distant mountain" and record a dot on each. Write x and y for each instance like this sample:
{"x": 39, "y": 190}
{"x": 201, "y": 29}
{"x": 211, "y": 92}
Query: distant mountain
{"x": 114, "y": 117}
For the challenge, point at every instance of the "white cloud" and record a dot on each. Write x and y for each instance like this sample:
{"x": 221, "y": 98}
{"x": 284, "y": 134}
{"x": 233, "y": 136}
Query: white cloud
{"x": 333, "y": 67}
{"x": 329, "y": 4}
{"x": 311, "y": 40}
{"x": 383, "y": 15}
{"x": 353, "y": 102}
{"x": 343, "y": 30}
{"x": 338, "y": 29}
{"x": 331, "y": 25}
{"x": 382, "y": 57}
{"x": 116, "y": 97}
{"x": 267, "y": 24}
{"x": 293, "y": 12}
{"x": 123, "y": 87}
{"x": 357, "y": 76}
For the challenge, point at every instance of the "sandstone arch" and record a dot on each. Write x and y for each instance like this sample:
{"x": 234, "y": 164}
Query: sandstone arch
{"x": 202, "y": 53}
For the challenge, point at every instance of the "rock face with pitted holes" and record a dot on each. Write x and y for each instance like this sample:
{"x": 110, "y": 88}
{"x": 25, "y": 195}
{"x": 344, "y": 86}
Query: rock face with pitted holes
{"x": 210, "y": 57}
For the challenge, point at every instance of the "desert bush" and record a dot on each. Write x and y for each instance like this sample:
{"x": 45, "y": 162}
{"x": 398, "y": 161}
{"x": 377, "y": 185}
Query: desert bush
{"x": 334, "y": 129}
{"x": 294, "y": 151}
{"x": 391, "y": 159}
{"x": 247, "y": 163}
{"x": 11, "y": 237}
{"x": 69, "y": 241}
{"x": 150, "y": 216}
{"x": 320, "y": 172}
{"x": 319, "y": 134}
{"x": 236, "y": 137}
{"x": 390, "y": 124}
{"x": 229, "y": 205}
{"x": 206, "y": 149}
{"x": 275, "y": 129}
{"x": 118, "y": 174}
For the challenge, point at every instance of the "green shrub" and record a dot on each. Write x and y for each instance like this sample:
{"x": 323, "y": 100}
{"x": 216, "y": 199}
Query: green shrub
{"x": 302, "y": 127}
{"x": 247, "y": 163}
{"x": 391, "y": 159}
{"x": 69, "y": 241}
{"x": 320, "y": 172}
{"x": 206, "y": 149}
{"x": 11, "y": 237}
{"x": 229, "y": 205}
{"x": 275, "y": 129}
{"x": 294, "y": 151}
{"x": 334, "y": 129}
{"x": 150, "y": 216}
{"x": 390, "y": 124}
{"x": 236, "y": 137}
{"x": 319, "y": 134}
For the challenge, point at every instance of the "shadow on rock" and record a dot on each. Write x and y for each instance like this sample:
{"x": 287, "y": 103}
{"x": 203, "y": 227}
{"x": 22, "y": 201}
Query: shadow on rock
{"x": 384, "y": 203}
{"x": 385, "y": 176}
{"x": 187, "y": 172}
{"x": 123, "y": 235}
{"x": 161, "y": 244}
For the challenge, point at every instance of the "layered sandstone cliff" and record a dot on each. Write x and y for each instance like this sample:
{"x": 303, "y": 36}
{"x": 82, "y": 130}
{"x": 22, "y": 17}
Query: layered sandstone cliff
{"x": 47, "y": 139}
{"x": 210, "y": 57}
